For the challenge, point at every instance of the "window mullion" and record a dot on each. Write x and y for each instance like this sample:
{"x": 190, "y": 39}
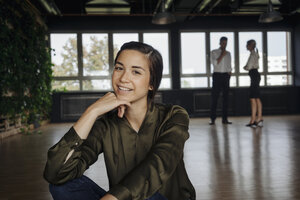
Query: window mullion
{"x": 265, "y": 57}
{"x": 236, "y": 57}
{"x": 80, "y": 59}
{"x": 207, "y": 53}
{"x": 110, "y": 53}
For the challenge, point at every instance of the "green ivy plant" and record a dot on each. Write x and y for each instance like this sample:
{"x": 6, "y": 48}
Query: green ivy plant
{"x": 25, "y": 63}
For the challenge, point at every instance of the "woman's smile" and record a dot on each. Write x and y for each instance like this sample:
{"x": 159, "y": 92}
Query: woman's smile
{"x": 122, "y": 88}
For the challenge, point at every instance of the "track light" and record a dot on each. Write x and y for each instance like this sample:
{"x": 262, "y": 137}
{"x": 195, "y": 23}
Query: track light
{"x": 163, "y": 17}
{"x": 270, "y": 16}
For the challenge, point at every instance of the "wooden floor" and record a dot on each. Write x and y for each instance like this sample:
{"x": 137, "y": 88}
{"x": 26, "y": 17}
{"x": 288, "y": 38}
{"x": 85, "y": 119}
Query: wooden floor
{"x": 230, "y": 162}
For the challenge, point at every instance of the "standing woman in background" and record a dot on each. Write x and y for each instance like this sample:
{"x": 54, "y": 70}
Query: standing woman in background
{"x": 252, "y": 66}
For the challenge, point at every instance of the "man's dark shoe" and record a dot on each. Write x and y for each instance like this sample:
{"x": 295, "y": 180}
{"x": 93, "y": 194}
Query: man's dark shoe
{"x": 212, "y": 122}
{"x": 226, "y": 122}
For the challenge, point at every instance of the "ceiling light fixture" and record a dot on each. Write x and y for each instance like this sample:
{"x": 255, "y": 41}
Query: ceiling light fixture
{"x": 270, "y": 16}
{"x": 163, "y": 17}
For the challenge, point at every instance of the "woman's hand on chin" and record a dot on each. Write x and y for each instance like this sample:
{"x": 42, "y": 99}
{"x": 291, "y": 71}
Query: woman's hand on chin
{"x": 109, "y": 102}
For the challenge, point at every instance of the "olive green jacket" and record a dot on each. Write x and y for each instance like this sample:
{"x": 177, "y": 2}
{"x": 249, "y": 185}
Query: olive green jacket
{"x": 138, "y": 164}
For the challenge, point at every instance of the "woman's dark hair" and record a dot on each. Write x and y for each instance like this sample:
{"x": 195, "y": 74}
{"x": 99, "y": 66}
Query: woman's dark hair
{"x": 155, "y": 63}
{"x": 251, "y": 42}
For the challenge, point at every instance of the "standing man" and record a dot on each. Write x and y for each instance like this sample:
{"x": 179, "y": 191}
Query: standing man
{"x": 221, "y": 60}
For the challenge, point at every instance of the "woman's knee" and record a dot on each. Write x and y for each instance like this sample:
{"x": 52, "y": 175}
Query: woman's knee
{"x": 79, "y": 188}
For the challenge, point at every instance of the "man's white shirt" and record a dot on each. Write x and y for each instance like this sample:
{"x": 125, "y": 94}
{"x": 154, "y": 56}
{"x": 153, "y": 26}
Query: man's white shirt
{"x": 225, "y": 63}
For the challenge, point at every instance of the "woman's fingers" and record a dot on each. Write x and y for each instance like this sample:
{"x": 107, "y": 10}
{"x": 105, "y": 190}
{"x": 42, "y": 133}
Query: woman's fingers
{"x": 122, "y": 108}
{"x": 121, "y": 111}
{"x": 109, "y": 102}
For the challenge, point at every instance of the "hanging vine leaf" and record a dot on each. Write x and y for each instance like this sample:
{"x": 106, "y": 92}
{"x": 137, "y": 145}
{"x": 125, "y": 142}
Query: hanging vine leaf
{"x": 25, "y": 63}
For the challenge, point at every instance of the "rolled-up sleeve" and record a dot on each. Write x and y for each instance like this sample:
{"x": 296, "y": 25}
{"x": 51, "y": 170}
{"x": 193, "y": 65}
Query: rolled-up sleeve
{"x": 229, "y": 62}
{"x": 86, "y": 152}
{"x": 159, "y": 164}
{"x": 214, "y": 58}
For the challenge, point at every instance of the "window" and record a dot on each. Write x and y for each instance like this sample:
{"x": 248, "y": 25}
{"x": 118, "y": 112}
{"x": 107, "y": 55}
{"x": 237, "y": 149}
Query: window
{"x": 86, "y": 66}
{"x": 193, "y": 60}
{"x": 64, "y": 54}
{"x": 103, "y": 84}
{"x": 72, "y": 85}
{"x": 194, "y": 82}
{"x": 279, "y": 80}
{"x": 92, "y": 71}
{"x": 193, "y": 53}
{"x": 120, "y": 38}
{"x": 244, "y": 53}
{"x": 165, "y": 83}
{"x": 95, "y": 54}
{"x": 274, "y": 63}
{"x": 95, "y": 62}
{"x": 278, "y": 52}
{"x": 279, "y": 60}
{"x": 160, "y": 41}
{"x": 64, "y": 58}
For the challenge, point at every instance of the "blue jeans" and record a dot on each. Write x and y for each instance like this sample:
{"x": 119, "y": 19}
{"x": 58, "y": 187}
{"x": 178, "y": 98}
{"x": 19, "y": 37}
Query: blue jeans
{"x": 84, "y": 188}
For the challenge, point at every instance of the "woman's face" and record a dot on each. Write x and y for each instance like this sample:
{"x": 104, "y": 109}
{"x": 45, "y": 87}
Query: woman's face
{"x": 131, "y": 76}
{"x": 250, "y": 46}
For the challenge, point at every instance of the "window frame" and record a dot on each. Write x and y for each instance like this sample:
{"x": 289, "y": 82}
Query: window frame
{"x": 196, "y": 75}
{"x": 80, "y": 77}
{"x": 236, "y": 74}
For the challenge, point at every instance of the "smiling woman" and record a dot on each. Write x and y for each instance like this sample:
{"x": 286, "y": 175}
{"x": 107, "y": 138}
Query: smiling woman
{"x": 142, "y": 142}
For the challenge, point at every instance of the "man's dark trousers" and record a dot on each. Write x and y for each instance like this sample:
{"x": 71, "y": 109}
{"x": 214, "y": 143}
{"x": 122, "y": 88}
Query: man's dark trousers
{"x": 220, "y": 83}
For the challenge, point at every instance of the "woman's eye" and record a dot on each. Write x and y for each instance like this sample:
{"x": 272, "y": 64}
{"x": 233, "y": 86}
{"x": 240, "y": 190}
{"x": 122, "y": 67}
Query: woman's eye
{"x": 118, "y": 68}
{"x": 136, "y": 72}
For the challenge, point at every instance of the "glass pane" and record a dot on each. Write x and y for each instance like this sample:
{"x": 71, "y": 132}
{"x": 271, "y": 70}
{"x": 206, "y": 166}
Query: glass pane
{"x": 278, "y": 52}
{"x": 245, "y": 81}
{"x": 165, "y": 83}
{"x": 120, "y": 38}
{"x": 104, "y": 84}
{"x": 95, "y": 54}
{"x": 232, "y": 81}
{"x": 244, "y": 53}
{"x": 215, "y": 44}
{"x": 160, "y": 41}
{"x": 65, "y": 85}
{"x": 194, "y": 82}
{"x": 279, "y": 80}
{"x": 193, "y": 54}
{"x": 262, "y": 80}
{"x": 64, "y": 54}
